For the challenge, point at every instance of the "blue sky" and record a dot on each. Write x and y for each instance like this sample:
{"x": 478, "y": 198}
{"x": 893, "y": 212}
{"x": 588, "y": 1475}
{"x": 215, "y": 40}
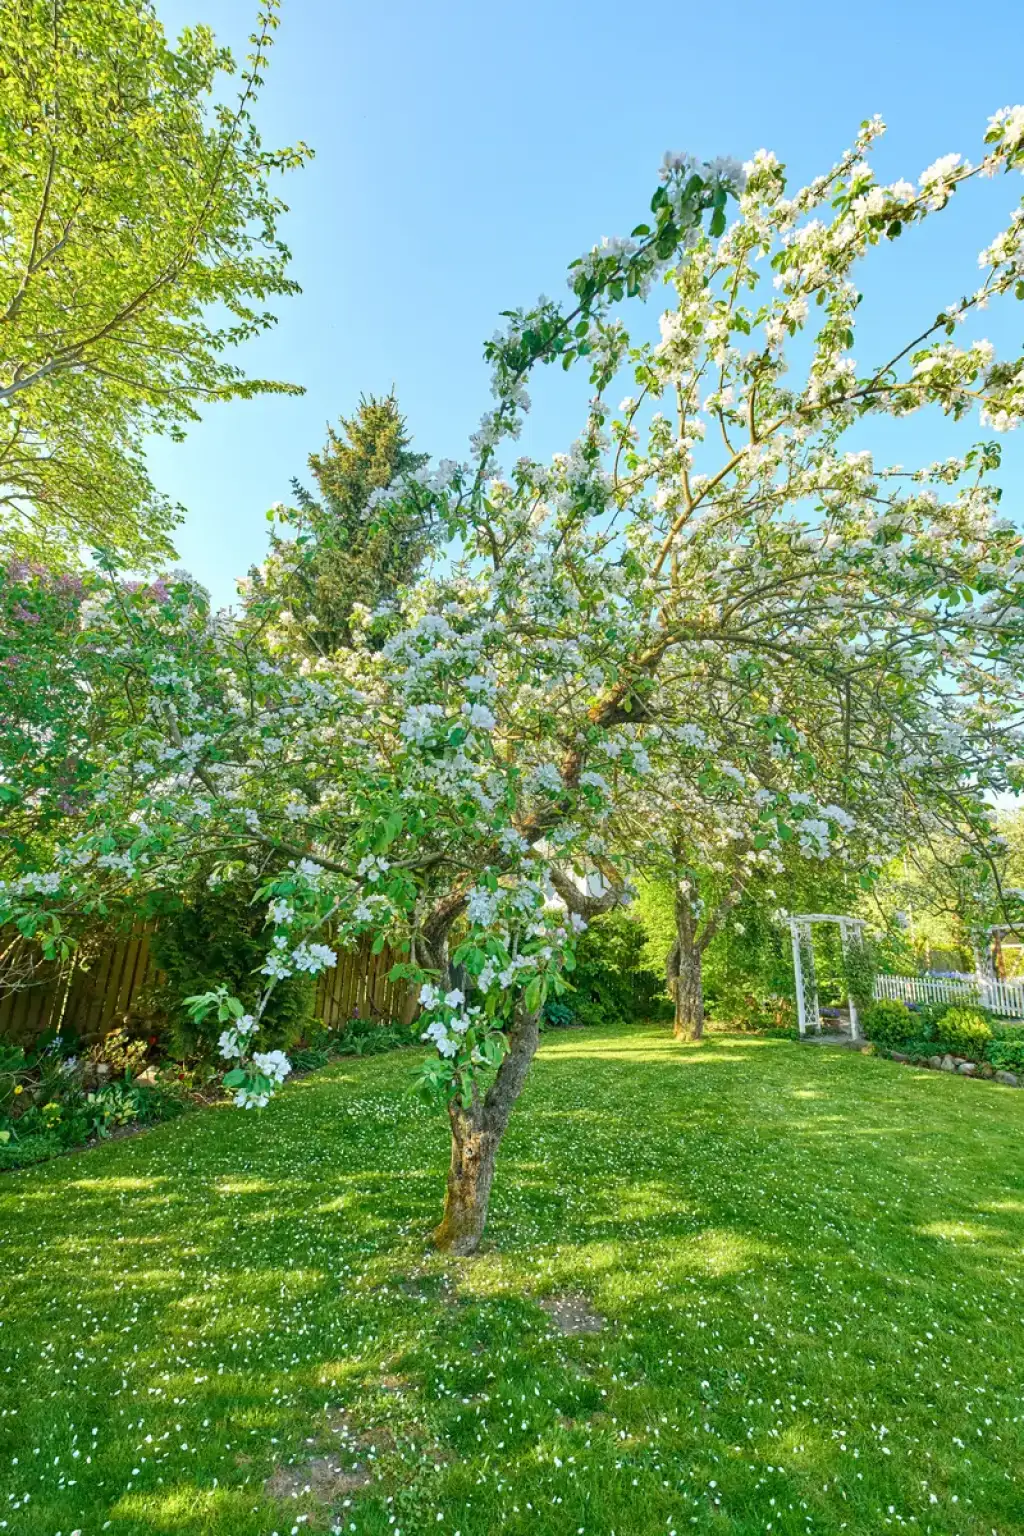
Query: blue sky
{"x": 466, "y": 152}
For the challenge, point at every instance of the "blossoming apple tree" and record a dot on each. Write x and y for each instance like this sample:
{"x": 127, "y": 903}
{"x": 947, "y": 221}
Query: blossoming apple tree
{"x": 816, "y": 750}
{"x": 600, "y": 616}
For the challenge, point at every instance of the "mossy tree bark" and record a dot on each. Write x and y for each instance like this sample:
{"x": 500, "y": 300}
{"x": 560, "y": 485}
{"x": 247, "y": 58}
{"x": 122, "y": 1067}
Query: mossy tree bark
{"x": 684, "y": 973}
{"x": 477, "y": 1132}
{"x": 684, "y": 966}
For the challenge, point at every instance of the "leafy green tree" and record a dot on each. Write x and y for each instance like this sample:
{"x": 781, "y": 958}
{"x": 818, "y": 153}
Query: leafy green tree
{"x": 131, "y": 205}
{"x": 824, "y": 802}
{"x": 959, "y": 900}
{"x": 340, "y": 558}
{"x": 736, "y": 941}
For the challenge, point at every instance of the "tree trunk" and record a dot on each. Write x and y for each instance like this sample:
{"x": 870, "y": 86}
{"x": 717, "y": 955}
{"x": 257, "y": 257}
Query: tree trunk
{"x": 476, "y": 1136}
{"x": 431, "y": 948}
{"x": 683, "y": 973}
{"x": 470, "y": 1175}
{"x": 689, "y": 996}
{"x": 409, "y": 1011}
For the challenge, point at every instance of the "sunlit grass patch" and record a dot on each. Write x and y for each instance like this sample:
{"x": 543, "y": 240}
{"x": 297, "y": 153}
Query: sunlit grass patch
{"x": 807, "y": 1267}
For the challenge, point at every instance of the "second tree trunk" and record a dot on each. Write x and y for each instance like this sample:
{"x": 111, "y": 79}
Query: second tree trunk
{"x": 689, "y": 997}
{"x": 684, "y": 974}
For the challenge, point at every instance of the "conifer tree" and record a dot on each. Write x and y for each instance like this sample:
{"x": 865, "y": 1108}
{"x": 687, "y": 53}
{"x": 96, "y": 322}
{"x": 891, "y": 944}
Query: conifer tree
{"x": 337, "y": 556}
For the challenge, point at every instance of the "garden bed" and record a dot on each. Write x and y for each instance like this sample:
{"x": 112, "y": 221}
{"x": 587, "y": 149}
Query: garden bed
{"x": 970, "y": 1041}
{"x": 52, "y": 1102}
{"x": 966, "y": 1066}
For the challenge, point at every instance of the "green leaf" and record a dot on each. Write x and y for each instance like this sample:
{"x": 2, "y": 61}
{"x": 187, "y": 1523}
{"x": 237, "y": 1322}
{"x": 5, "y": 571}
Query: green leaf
{"x": 392, "y": 827}
{"x": 235, "y": 1078}
{"x": 492, "y": 1048}
{"x": 199, "y": 1005}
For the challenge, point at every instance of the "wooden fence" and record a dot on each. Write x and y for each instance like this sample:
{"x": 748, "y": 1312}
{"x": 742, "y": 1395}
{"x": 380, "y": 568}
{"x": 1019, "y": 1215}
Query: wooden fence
{"x": 1004, "y": 997}
{"x": 91, "y": 1002}
{"x": 358, "y": 987}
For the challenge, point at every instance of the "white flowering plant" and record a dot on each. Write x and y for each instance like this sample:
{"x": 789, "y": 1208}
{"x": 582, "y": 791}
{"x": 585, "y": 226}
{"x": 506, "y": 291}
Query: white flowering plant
{"x": 518, "y": 948}
{"x": 256, "y": 1075}
{"x": 672, "y": 598}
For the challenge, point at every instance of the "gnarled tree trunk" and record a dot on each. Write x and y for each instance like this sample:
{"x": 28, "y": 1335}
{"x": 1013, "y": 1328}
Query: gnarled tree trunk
{"x": 689, "y": 997}
{"x": 683, "y": 974}
{"x": 476, "y": 1136}
{"x": 477, "y": 1130}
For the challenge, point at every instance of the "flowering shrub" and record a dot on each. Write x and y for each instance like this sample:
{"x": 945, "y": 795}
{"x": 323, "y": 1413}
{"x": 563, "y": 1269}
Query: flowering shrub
{"x": 45, "y": 772}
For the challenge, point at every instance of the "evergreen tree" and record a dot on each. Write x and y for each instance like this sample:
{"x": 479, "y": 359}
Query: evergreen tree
{"x": 340, "y": 554}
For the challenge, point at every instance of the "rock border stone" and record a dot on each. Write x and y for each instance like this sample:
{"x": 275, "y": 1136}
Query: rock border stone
{"x": 963, "y": 1066}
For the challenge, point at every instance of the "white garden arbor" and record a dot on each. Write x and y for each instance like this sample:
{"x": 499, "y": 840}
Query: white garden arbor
{"x": 851, "y": 930}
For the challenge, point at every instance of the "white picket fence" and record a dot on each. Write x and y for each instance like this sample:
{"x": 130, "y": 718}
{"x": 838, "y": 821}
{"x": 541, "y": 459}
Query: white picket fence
{"x": 1004, "y": 997}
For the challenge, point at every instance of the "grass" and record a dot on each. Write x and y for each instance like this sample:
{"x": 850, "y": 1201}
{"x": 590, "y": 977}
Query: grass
{"x": 809, "y": 1263}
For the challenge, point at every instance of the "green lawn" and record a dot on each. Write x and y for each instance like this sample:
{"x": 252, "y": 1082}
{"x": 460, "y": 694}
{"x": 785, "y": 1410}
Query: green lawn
{"x": 809, "y": 1264}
